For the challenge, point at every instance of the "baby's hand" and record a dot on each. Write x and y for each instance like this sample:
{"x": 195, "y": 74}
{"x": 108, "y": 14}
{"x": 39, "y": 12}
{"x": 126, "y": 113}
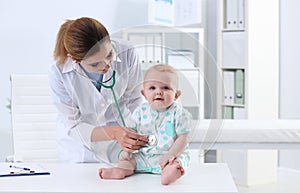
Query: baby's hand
{"x": 165, "y": 159}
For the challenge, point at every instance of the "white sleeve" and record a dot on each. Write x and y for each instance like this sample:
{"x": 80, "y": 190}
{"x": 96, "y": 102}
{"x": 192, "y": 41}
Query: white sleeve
{"x": 68, "y": 111}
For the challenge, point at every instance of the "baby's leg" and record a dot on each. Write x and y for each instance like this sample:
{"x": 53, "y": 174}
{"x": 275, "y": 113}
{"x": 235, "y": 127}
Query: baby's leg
{"x": 171, "y": 172}
{"x": 124, "y": 169}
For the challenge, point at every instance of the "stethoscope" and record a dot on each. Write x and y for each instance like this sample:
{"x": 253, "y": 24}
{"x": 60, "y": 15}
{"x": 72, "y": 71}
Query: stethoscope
{"x": 111, "y": 87}
{"x": 152, "y": 140}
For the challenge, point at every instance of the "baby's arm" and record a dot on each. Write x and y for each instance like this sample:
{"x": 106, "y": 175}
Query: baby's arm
{"x": 176, "y": 149}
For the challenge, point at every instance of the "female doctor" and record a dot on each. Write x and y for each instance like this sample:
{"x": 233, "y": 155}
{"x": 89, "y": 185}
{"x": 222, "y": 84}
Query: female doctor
{"x": 89, "y": 127}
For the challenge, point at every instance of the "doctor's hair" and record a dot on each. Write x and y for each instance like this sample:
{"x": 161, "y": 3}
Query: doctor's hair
{"x": 80, "y": 38}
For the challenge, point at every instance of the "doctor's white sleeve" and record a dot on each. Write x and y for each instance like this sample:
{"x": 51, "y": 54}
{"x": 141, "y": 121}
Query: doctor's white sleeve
{"x": 68, "y": 112}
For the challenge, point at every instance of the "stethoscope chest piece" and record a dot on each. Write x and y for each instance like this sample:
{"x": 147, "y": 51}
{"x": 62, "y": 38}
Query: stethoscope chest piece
{"x": 152, "y": 140}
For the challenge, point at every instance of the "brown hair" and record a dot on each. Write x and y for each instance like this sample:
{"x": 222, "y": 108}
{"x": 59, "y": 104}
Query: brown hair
{"x": 79, "y": 38}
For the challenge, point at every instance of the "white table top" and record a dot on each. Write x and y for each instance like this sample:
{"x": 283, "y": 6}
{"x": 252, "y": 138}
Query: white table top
{"x": 73, "y": 178}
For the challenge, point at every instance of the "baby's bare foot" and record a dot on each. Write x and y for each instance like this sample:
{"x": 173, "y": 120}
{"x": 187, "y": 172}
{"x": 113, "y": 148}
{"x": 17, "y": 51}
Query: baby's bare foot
{"x": 171, "y": 173}
{"x": 114, "y": 173}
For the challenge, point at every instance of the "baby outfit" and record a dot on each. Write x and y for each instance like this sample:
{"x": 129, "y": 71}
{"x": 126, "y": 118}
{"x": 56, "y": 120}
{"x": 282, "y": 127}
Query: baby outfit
{"x": 165, "y": 126}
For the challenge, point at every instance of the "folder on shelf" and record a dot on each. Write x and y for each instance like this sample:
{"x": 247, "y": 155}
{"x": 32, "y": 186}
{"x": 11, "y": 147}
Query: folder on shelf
{"x": 228, "y": 85}
{"x": 139, "y": 43}
{"x": 233, "y": 49}
{"x": 231, "y": 12}
{"x": 228, "y": 112}
{"x": 239, "y": 113}
{"x": 239, "y": 95}
{"x": 150, "y": 49}
{"x": 21, "y": 169}
{"x": 241, "y": 14}
{"x": 158, "y": 49}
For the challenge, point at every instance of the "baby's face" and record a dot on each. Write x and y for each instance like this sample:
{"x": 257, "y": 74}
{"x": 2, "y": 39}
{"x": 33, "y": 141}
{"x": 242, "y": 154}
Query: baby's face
{"x": 160, "y": 90}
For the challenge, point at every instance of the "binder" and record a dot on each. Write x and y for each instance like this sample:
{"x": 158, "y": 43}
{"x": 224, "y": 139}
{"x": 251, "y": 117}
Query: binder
{"x": 231, "y": 14}
{"x": 21, "y": 169}
{"x": 239, "y": 96}
{"x": 228, "y": 83}
{"x": 228, "y": 112}
{"x": 158, "y": 49}
{"x": 233, "y": 49}
{"x": 241, "y": 14}
{"x": 139, "y": 42}
{"x": 239, "y": 113}
{"x": 150, "y": 49}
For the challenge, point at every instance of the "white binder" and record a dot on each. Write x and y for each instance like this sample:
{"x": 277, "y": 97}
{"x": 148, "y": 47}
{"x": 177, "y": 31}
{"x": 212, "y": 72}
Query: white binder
{"x": 228, "y": 83}
{"x": 139, "y": 43}
{"x": 231, "y": 14}
{"x": 239, "y": 113}
{"x": 241, "y": 14}
{"x": 150, "y": 49}
{"x": 158, "y": 49}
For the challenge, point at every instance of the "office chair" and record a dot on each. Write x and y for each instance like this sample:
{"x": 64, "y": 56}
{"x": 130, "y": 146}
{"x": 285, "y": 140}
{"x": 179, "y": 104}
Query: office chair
{"x": 33, "y": 119}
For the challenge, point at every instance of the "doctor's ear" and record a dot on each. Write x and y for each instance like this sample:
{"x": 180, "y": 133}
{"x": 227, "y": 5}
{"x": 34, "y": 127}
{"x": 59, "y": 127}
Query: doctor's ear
{"x": 69, "y": 55}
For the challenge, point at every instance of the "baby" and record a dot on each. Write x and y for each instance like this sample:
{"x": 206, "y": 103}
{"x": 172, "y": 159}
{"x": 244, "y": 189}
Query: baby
{"x": 167, "y": 126}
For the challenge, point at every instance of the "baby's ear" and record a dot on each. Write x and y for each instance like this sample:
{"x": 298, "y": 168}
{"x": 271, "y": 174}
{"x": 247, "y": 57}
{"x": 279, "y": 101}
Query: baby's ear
{"x": 177, "y": 94}
{"x": 143, "y": 93}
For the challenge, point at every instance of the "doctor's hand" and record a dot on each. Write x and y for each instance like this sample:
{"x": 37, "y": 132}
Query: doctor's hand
{"x": 129, "y": 139}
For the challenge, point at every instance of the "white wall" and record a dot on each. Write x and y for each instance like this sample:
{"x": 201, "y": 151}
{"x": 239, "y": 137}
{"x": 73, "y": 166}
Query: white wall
{"x": 28, "y": 32}
{"x": 289, "y": 72}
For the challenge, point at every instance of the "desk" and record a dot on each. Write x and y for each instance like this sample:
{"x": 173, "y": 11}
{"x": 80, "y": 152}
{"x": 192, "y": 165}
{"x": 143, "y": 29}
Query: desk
{"x": 75, "y": 178}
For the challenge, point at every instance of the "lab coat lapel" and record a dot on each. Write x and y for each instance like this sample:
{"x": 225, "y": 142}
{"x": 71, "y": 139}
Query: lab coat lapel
{"x": 84, "y": 86}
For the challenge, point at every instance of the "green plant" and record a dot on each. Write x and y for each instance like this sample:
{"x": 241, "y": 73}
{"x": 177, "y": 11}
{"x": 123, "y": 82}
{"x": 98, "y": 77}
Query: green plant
{"x": 8, "y": 106}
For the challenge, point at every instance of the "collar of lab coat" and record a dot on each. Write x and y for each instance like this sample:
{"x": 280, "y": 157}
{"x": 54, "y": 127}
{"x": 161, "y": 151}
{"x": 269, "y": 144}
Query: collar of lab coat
{"x": 70, "y": 65}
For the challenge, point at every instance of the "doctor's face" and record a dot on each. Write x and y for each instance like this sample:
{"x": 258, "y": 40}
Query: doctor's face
{"x": 100, "y": 61}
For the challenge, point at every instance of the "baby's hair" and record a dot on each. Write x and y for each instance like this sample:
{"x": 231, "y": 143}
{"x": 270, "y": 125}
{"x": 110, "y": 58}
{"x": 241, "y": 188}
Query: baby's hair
{"x": 163, "y": 68}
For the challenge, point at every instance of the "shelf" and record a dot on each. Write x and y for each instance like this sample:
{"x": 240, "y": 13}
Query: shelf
{"x": 233, "y": 30}
{"x": 233, "y": 105}
{"x": 180, "y": 47}
{"x": 248, "y": 56}
{"x": 232, "y": 68}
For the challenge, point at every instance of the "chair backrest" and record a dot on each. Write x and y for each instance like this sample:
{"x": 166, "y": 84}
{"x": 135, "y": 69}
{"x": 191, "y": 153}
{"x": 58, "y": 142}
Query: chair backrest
{"x": 33, "y": 118}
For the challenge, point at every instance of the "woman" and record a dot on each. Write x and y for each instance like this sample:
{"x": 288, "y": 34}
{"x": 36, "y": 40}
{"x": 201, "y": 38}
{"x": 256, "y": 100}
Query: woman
{"x": 89, "y": 125}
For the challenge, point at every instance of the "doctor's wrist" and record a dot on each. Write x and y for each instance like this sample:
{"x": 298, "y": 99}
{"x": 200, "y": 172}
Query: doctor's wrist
{"x": 101, "y": 134}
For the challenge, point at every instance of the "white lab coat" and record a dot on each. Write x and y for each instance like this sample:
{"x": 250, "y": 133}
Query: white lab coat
{"x": 82, "y": 107}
